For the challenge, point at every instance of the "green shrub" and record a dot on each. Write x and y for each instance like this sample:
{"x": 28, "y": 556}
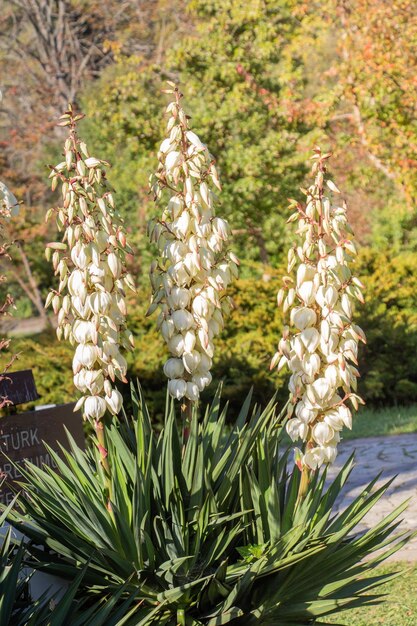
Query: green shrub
{"x": 389, "y": 319}
{"x": 243, "y": 350}
{"x": 50, "y": 362}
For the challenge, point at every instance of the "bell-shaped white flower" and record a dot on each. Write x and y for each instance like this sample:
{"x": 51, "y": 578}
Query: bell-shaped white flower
{"x": 94, "y": 407}
{"x": 80, "y": 255}
{"x": 168, "y": 328}
{"x": 191, "y": 360}
{"x": 189, "y": 341}
{"x": 192, "y": 392}
{"x": 86, "y": 355}
{"x": 183, "y": 320}
{"x": 303, "y": 317}
{"x": 176, "y": 345}
{"x": 84, "y": 331}
{"x": 179, "y": 298}
{"x": 89, "y": 380}
{"x": 79, "y": 380}
{"x": 202, "y": 379}
{"x": 77, "y": 284}
{"x": 174, "y": 368}
{"x": 177, "y": 388}
{"x": 322, "y": 433}
{"x": 100, "y": 302}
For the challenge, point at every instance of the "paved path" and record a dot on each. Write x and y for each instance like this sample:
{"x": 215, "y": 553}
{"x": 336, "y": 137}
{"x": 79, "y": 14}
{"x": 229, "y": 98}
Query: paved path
{"x": 394, "y": 455}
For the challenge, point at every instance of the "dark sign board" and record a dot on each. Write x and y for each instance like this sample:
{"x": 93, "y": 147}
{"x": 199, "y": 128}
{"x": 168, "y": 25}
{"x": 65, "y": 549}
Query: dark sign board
{"x": 18, "y": 387}
{"x": 21, "y": 438}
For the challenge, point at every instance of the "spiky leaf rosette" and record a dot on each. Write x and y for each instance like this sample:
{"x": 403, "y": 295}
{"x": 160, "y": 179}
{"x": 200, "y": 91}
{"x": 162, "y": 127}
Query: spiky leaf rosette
{"x": 91, "y": 264}
{"x": 203, "y": 532}
{"x": 194, "y": 268}
{"x": 320, "y": 344}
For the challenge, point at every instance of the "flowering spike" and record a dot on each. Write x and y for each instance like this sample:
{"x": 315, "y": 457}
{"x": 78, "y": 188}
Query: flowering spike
{"x": 91, "y": 265}
{"x": 321, "y": 345}
{"x": 194, "y": 268}
{"x": 9, "y": 207}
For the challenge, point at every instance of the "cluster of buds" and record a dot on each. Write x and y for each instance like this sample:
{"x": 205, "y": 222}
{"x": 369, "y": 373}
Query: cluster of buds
{"x": 90, "y": 262}
{"x": 191, "y": 275}
{"x": 320, "y": 344}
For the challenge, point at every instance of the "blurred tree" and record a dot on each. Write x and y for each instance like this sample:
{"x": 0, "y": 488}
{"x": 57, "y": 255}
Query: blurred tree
{"x": 264, "y": 80}
{"x": 244, "y": 80}
{"x": 49, "y": 49}
{"x": 378, "y": 78}
{"x": 245, "y": 85}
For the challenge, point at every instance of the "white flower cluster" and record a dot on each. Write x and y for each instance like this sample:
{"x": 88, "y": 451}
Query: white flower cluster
{"x": 90, "y": 262}
{"x": 320, "y": 345}
{"x": 190, "y": 277}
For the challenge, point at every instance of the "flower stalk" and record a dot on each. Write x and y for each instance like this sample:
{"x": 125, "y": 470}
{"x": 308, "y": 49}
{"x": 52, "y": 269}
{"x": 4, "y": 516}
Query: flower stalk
{"x": 9, "y": 207}
{"x": 194, "y": 268}
{"x": 90, "y": 262}
{"x": 320, "y": 342}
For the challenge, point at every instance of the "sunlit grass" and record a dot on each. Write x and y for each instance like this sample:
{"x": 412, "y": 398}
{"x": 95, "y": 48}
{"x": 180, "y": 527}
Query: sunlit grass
{"x": 384, "y": 421}
{"x": 399, "y": 608}
{"x": 379, "y": 422}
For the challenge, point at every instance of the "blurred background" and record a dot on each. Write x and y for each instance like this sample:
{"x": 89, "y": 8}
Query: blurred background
{"x": 264, "y": 81}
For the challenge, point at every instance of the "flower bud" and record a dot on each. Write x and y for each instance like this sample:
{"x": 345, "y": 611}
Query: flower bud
{"x": 114, "y": 264}
{"x": 92, "y": 162}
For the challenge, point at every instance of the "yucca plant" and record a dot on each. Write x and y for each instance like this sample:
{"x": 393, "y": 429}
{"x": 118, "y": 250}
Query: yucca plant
{"x": 205, "y": 531}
